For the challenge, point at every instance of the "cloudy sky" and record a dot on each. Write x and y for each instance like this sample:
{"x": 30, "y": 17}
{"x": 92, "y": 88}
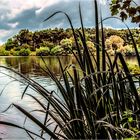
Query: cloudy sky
{"x": 29, "y": 14}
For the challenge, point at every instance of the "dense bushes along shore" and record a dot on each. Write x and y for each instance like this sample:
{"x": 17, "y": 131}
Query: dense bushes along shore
{"x": 61, "y": 42}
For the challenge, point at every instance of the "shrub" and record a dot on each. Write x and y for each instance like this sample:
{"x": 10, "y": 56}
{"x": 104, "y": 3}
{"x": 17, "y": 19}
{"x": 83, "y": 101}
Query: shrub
{"x": 32, "y": 48}
{"x": 66, "y": 44}
{"x": 56, "y": 50}
{"x": 14, "y": 53}
{"x": 25, "y": 46}
{"x": 134, "y": 68}
{"x": 3, "y": 52}
{"x": 17, "y": 48}
{"x": 114, "y": 42}
{"x": 48, "y": 44}
{"x": 42, "y": 51}
{"x": 33, "y": 53}
{"x": 91, "y": 46}
{"x": 24, "y": 52}
{"x": 9, "y": 44}
{"x": 128, "y": 50}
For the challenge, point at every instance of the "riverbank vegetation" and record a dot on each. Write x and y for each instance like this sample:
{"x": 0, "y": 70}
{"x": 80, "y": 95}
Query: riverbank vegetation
{"x": 102, "y": 103}
{"x": 61, "y": 42}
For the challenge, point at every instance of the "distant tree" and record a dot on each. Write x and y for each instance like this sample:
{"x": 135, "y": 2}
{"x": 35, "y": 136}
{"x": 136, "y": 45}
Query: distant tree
{"x": 66, "y": 44}
{"x": 24, "y": 37}
{"x": 36, "y": 39}
{"x": 9, "y": 44}
{"x": 91, "y": 46}
{"x": 55, "y": 37}
{"x": 48, "y": 44}
{"x": 56, "y": 50}
{"x": 114, "y": 42}
{"x": 125, "y": 9}
{"x": 24, "y": 52}
{"x": 25, "y": 46}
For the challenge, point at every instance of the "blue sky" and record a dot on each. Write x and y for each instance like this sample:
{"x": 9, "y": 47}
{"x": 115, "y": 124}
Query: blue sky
{"x": 29, "y": 14}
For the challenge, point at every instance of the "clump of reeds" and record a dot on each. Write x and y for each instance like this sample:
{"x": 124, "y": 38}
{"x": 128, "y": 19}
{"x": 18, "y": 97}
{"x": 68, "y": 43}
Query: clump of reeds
{"x": 101, "y": 103}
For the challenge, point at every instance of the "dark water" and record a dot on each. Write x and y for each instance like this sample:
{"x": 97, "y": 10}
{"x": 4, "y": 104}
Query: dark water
{"x": 11, "y": 90}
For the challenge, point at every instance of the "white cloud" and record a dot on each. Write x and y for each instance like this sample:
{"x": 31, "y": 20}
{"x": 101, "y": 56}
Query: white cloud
{"x": 13, "y": 7}
{"x": 42, "y": 4}
{"x": 17, "y": 6}
{"x": 13, "y": 25}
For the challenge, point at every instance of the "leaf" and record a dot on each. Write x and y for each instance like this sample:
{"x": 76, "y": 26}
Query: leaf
{"x": 114, "y": 1}
{"x": 138, "y": 9}
{"x": 114, "y": 11}
{"x": 126, "y": 3}
{"x": 130, "y": 119}
{"x": 132, "y": 11}
{"x": 123, "y": 15}
{"x": 36, "y": 121}
{"x": 136, "y": 19}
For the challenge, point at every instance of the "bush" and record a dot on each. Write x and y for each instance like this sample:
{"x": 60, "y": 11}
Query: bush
{"x": 3, "y": 52}
{"x": 66, "y": 44}
{"x": 91, "y": 46}
{"x": 25, "y": 46}
{"x": 14, "y": 53}
{"x": 114, "y": 42}
{"x": 56, "y": 50}
{"x": 129, "y": 50}
{"x": 33, "y": 53}
{"x": 16, "y": 48}
{"x": 42, "y": 51}
{"x": 9, "y": 44}
{"x": 24, "y": 52}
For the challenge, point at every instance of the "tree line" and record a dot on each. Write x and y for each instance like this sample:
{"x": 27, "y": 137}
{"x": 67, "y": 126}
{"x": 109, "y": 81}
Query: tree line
{"x": 61, "y": 41}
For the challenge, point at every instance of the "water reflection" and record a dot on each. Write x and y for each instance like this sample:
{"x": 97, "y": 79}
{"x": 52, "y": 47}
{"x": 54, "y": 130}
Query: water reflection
{"x": 31, "y": 65}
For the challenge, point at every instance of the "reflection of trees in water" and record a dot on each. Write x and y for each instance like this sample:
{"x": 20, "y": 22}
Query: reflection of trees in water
{"x": 31, "y": 65}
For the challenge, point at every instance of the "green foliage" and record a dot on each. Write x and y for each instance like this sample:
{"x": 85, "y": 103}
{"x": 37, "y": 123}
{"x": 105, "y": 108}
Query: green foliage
{"x": 126, "y": 8}
{"x": 3, "y": 52}
{"x": 14, "y": 52}
{"x": 57, "y": 50}
{"x": 53, "y": 37}
{"x": 24, "y": 46}
{"x": 42, "y": 51}
{"x": 16, "y": 48}
{"x": 66, "y": 44}
{"x": 9, "y": 44}
{"x": 24, "y": 52}
{"x": 134, "y": 68}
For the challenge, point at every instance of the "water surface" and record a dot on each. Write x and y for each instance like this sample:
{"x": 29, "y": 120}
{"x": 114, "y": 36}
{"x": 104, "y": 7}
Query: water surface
{"x": 11, "y": 89}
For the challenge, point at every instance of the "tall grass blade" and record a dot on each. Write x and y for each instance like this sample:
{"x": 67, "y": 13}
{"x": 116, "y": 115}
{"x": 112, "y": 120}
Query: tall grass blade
{"x": 36, "y": 121}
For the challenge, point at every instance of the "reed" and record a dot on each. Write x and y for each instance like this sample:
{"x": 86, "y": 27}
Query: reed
{"x": 102, "y": 103}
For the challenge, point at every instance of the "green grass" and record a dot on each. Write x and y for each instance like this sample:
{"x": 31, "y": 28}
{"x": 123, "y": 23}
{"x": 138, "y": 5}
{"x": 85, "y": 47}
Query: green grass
{"x": 101, "y": 103}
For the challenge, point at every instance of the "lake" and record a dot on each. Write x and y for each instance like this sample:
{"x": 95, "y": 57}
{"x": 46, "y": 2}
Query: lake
{"x": 11, "y": 89}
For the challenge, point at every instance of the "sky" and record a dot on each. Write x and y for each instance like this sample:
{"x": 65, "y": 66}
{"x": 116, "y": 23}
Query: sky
{"x": 30, "y": 14}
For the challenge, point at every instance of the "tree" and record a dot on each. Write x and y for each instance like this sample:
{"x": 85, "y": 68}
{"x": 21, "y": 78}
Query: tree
{"x": 91, "y": 46}
{"x": 9, "y": 44}
{"x": 125, "y": 9}
{"x": 66, "y": 44}
{"x": 114, "y": 42}
{"x": 24, "y": 37}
